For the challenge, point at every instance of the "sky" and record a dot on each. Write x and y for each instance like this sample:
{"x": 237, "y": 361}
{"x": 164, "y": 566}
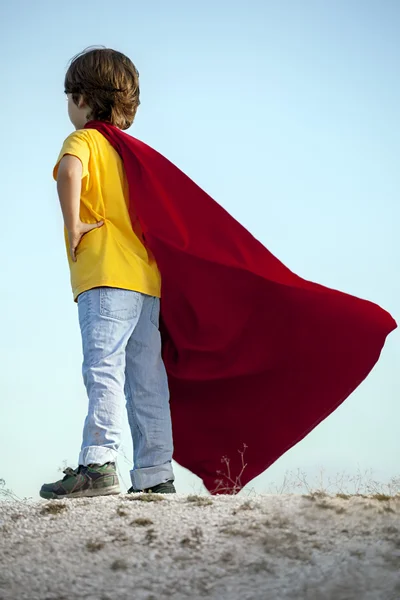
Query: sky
{"x": 286, "y": 113}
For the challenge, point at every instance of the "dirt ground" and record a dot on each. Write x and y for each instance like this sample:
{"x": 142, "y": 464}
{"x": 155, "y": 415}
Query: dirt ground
{"x": 179, "y": 546}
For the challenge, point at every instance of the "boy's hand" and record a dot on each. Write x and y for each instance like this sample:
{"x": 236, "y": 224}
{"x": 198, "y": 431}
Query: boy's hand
{"x": 75, "y": 235}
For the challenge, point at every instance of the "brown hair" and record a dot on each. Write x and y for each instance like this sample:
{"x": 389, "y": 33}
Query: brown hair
{"x": 109, "y": 84}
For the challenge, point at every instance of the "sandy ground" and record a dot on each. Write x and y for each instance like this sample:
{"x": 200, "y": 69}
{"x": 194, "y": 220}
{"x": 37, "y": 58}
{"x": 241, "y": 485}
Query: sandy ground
{"x": 181, "y": 546}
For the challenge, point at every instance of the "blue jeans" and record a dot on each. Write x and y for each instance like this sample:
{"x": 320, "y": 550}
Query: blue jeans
{"x": 121, "y": 346}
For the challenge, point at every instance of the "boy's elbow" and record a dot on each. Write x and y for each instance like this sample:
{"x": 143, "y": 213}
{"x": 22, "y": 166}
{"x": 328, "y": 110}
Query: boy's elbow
{"x": 70, "y": 168}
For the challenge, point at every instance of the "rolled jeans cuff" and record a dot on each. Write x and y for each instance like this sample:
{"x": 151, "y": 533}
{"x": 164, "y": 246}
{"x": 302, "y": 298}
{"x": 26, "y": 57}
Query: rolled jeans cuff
{"x": 96, "y": 455}
{"x": 147, "y": 477}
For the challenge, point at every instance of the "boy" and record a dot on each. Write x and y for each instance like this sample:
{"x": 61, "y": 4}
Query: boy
{"x": 256, "y": 356}
{"x": 116, "y": 284}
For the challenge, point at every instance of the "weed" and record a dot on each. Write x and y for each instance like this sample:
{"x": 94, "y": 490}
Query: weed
{"x": 119, "y": 565}
{"x": 391, "y": 530}
{"x": 7, "y": 493}
{"x": 236, "y": 532}
{"x": 16, "y": 516}
{"x": 381, "y": 497}
{"x": 286, "y": 544}
{"x": 226, "y": 557}
{"x": 308, "y": 531}
{"x": 260, "y": 566}
{"x": 357, "y": 553}
{"x": 317, "y": 545}
{"x": 121, "y": 512}
{"x": 195, "y": 540}
{"x": 93, "y": 546}
{"x": 245, "y": 506}
{"x": 318, "y": 494}
{"x": 199, "y": 500}
{"x": 228, "y": 484}
{"x": 145, "y": 497}
{"x": 120, "y": 538}
{"x": 142, "y": 522}
{"x": 308, "y": 497}
{"x": 325, "y": 506}
{"x": 151, "y": 536}
{"x": 281, "y": 522}
{"x": 393, "y": 560}
{"x": 362, "y": 484}
{"x": 53, "y": 508}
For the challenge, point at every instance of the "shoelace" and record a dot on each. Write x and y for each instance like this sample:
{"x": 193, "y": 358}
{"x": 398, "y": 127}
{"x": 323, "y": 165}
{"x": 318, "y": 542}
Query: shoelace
{"x": 74, "y": 472}
{"x": 68, "y": 472}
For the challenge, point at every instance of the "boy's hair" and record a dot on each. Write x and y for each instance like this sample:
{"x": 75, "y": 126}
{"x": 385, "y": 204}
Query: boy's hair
{"x": 109, "y": 84}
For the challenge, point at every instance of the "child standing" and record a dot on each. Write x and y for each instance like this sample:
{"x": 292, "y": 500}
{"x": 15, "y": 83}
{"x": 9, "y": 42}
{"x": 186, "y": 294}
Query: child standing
{"x": 117, "y": 286}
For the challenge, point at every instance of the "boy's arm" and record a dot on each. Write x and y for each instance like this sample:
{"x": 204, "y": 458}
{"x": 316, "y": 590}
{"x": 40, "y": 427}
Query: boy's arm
{"x": 69, "y": 179}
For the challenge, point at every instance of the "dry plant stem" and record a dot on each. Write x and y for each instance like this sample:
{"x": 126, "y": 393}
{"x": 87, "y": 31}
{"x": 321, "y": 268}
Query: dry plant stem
{"x": 6, "y": 493}
{"x": 236, "y": 484}
{"x": 360, "y": 484}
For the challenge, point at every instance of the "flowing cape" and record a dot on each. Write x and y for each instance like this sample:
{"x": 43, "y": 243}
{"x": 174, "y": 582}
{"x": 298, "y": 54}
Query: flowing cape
{"x": 256, "y": 356}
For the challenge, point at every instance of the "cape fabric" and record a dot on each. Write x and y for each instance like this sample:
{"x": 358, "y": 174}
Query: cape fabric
{"x": 256, "y": 356}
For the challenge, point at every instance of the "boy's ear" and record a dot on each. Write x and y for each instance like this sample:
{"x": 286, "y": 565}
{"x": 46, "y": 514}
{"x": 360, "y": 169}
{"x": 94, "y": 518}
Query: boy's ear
{"x": 81, "y": 102}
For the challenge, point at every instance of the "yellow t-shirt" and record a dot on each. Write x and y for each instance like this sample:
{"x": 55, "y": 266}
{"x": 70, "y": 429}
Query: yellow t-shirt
{"x": 111, "y": 255}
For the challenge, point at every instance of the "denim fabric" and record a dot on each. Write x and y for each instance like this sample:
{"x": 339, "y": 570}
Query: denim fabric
{"x": 122, "y": 357}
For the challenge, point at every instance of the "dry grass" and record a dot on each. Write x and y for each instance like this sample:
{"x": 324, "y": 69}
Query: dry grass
{"x": 151, "y": 536}
{"x": 194, "y": 540}
{"x": 145, "y": 497}
{"x": 285, "y": 544}
{"x": 228, "y": 483}
{"x": 340, "y": 510}
{"x": 261, "y": 566}
{"x": 121, "y": 512}
{"x": 142, "y": 522}
{"x": 343, "y": 485}
{"x": 93, "y": 546}
{"x": 16, "y": 516}
{"x": 234, "y": 531}
{"x": 244, "y": 507}
{"x": 119, "y": 565}
{"x": 53, "y": 507}
{"x": 199, "y": 500}
{"x": 381, "y": 497}
{"x": 7, "y": 494}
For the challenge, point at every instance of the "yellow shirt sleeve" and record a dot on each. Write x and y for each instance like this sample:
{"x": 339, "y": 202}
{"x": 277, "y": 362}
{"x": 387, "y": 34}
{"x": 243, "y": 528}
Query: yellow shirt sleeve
{"x": 77, "y": 145}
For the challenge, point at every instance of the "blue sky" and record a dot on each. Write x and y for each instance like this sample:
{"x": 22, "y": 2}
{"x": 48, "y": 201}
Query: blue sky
{"x": 287, "y": 113}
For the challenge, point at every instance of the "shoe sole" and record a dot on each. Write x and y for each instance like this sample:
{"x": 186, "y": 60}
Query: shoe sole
{"x": 152, "y": 492}
{"x": 90, "y": 493}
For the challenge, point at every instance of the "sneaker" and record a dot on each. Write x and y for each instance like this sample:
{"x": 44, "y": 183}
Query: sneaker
{"x": 167, "y": 487}
{"x": 93, "y": 480}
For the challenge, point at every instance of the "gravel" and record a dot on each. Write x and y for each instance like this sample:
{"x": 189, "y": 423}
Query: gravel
{"x": 179, "y": 546}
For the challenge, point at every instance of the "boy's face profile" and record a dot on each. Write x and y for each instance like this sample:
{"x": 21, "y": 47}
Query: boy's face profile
{"x": 77, "y": 112}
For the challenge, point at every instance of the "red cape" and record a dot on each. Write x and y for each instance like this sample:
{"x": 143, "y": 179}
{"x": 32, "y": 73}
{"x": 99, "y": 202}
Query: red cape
{"x": 255, "y": 355}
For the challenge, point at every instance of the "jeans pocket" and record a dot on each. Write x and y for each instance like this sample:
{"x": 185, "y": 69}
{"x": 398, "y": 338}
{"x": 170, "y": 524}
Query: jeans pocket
{"x": 119, "y": 304}
{"x": 155, "y": 312}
